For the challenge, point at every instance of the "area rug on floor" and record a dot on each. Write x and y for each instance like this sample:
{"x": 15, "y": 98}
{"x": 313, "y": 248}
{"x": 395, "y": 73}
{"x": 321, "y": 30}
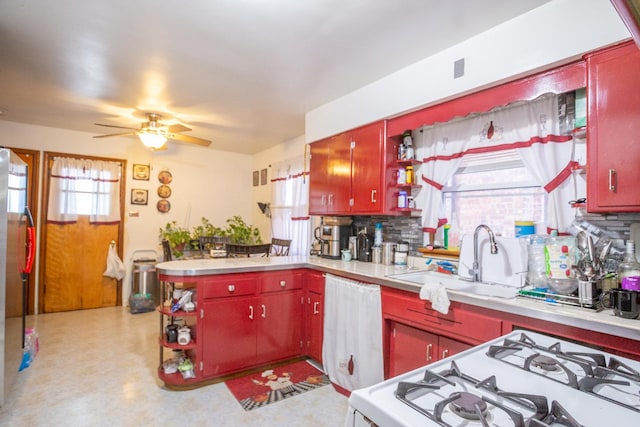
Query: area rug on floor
{"x": 272, "y": 385}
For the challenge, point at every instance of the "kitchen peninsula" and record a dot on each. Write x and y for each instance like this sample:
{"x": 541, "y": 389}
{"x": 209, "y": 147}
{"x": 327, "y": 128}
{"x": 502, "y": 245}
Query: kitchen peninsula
{"x": 259, "y": 310}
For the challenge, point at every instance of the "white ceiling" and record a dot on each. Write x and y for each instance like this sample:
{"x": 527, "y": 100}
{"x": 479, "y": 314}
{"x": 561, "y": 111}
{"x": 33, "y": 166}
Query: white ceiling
{"x": 241, "y": 73}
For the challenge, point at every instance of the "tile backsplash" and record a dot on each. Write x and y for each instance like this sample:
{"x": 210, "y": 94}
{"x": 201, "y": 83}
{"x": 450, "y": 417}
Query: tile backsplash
{"x": 409, "y": 229}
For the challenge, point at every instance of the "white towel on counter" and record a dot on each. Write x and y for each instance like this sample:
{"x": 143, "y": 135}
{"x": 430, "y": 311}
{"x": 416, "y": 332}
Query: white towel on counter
{"x": 437, "y": 294}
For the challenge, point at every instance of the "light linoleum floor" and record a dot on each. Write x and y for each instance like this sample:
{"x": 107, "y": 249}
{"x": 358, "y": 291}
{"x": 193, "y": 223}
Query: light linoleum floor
{"x": 98, "y": 368}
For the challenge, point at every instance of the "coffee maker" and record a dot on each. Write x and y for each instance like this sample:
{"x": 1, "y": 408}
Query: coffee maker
{"x": 333, "y": 235}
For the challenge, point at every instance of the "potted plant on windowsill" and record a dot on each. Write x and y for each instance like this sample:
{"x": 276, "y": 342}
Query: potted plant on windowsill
{"x": 177, "y": 236}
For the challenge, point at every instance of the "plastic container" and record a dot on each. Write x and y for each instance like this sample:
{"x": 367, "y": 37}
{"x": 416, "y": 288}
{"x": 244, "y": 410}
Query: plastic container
{"x": 536, "y": 271}
{"x": 559, "y": 256}
{"x": 525, "y": 228}
{"x": 402, "y": 199}
{"x": 377, "y": 241}
{"x": 409, "y": 174}
{"x": 402, "y": 176}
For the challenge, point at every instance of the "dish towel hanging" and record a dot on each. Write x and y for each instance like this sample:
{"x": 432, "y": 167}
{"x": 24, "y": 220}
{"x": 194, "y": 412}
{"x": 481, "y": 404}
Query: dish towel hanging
{"x": 115, "y": 266}
{"x": 437, "y": 294}
{"x": 352, "y": 345}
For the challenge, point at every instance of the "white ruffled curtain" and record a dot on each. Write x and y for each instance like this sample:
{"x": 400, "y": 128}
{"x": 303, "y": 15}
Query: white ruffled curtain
{"x": 102, "y": 180}
{"x": 290, "y": 204}
{"x": 531, "y": 128}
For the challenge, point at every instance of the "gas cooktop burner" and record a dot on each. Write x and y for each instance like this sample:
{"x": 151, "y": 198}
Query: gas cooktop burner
{"x": 468, "y": 406}
{"x": 545, "y": 363}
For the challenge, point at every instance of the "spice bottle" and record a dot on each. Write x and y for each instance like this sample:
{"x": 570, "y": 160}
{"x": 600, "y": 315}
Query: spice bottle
{"x": 402, "y": 199}
{"x": 409, "y": 173}
{"x": 402, "y": 176}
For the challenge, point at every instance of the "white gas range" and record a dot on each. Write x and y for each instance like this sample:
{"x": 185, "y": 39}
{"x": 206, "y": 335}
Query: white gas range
{"x": 523, "y": 379}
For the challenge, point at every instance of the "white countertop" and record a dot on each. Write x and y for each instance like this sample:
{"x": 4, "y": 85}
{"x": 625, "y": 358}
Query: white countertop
{"x": 603, "y": 321}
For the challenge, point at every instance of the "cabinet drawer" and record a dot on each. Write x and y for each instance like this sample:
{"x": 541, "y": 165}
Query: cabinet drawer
{"x": 459, "y": 322}
{"x": 283, "y": 280}
{"x": 228, "y": 286}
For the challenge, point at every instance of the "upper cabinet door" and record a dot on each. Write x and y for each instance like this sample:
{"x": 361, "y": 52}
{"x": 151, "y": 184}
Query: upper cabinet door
{"x": 330, "y": 176}
{"x": 613, "y": 130}
{"x": 367, "y": 169}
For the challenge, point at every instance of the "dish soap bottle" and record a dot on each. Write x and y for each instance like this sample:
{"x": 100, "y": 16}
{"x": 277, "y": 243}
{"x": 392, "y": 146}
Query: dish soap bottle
{"x": 377, "y": 240}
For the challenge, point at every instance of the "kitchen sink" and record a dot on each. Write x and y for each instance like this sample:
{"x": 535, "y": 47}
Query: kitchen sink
{"x": 455, "y": 283}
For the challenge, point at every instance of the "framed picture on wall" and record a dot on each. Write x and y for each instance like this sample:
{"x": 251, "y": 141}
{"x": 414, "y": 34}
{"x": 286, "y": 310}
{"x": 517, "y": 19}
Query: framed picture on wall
{"x": 263, "y": 177}
{"x": 141, "y": 172}
{"x": 256, "y": 178}
{"x": 139, "y": 196}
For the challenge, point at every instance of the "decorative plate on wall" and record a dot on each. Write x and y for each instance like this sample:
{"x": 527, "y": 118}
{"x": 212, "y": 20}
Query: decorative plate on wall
{"x": 163, "y": 206}
{"x": 165, "y": 177}
{"x": 164, "y": 191}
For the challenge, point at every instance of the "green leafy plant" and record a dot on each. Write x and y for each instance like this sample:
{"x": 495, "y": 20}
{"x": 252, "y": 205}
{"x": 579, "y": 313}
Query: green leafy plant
{"x": 206, "y": 229}
{"x": 177, "y": 237}
{"x": 240, "y": 232}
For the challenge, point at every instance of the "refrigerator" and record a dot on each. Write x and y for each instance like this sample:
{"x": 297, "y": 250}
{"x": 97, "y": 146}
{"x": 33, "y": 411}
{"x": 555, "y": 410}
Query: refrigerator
{"x": 16, "y": 258}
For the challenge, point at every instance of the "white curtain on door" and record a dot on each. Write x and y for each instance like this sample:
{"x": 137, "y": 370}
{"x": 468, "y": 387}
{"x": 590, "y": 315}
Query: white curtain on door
{"x": 290, "y": 204}
{"x": 531, "y": 128}
{"x": 82, "y": 186}
{"x": 352, "y": 345}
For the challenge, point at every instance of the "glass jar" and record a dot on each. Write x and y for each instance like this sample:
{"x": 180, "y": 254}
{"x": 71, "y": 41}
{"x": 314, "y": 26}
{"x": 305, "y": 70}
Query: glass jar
{"x": 629, "y": 267}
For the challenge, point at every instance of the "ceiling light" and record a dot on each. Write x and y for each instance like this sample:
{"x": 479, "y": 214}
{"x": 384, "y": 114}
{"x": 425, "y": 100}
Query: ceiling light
{"x": 152, "y": 140}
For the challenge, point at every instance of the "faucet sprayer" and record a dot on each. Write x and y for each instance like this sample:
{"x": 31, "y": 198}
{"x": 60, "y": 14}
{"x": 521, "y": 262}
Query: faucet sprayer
{"x": 475, "y": 271}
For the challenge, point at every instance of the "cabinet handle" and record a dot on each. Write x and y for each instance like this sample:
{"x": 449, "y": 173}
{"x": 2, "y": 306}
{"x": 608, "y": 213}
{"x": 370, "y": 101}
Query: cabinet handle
{"x": 231, "y": 288}
{"x": 283, "y": 283}
{"x": 429, "y": 350}
{"x": 323, "y": 200}
{"x": 445, "y": 353}
{"x": 315, "y": 307}
{"x": 251, "y": 312}
{"x": 330, "y": 203}
{"x": 264, "y": 311}
{"x": 374, "y": 194}
{"x": 613, "y": 180}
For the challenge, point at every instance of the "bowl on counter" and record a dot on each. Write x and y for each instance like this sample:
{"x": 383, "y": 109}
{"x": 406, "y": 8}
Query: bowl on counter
{"x": 563, "y": 286}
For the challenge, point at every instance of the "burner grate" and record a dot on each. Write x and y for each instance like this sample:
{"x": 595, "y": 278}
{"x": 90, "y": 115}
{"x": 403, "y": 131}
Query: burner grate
{"x": 587, "y": 372}
{"x": 452, "y": 396}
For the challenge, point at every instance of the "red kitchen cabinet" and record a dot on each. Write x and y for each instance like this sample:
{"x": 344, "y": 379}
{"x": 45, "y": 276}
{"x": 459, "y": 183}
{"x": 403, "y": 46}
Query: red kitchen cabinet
{"x": 416, "y": 335}
{"x": 347, "y": 173}
{"x": 249, "y": 320}
{"x": 411, "y": 348}
{"x": 314, "y": 314}
{"x": 613, "y": 129}
{"x": 367, "y": 169}
{"x": 330, "y": 176}
{"x": 229, "y": 331}
{"x": 279, "y": 326}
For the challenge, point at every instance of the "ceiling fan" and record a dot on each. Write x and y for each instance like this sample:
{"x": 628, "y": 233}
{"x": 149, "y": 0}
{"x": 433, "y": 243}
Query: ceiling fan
{"x": 154, "y": 134}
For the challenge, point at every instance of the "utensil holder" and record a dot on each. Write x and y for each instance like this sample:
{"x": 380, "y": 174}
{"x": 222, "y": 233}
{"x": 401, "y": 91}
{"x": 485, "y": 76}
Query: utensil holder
{"x": 589, "y": 293}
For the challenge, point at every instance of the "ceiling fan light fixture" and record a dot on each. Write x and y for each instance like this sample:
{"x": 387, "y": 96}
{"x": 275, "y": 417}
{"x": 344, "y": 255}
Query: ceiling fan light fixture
{"x": 152, "y": 140}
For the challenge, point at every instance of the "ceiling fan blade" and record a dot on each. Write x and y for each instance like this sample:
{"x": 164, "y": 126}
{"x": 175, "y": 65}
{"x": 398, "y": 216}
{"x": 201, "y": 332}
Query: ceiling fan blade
{"x": 114, "y": 126}
{"x": 114, "y": 134}
{"x": 190, "y": 139}
{"x": 177, "y": 128}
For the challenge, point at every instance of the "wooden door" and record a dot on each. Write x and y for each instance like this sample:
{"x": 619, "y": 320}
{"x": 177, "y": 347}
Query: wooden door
{"x": 73, "y": 258}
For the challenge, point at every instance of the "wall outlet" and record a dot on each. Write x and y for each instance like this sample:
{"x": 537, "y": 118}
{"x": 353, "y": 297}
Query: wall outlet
{"x": 458, "y": 68}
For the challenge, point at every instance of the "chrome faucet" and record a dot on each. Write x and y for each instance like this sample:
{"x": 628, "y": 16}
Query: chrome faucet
{"x": 475, "y": 271}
